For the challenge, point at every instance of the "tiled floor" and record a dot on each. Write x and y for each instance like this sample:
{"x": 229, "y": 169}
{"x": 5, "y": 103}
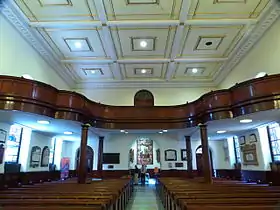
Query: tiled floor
{"x": 145, "y": 198}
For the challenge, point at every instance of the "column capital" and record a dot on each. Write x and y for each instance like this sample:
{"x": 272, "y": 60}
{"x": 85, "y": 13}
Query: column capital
{"x": 187, "y": 137}
{"x": 202, "y": 125}
{"x": 101, "y": 137}
{"x": 86, "y": 126}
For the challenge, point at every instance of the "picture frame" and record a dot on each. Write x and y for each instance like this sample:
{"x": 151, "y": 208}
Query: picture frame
{"x": 250, "y": 155}
{"x": 252, "y": 138}
{"x": 242, "y": 140}
{"x": 3, "y": 136}
{"x": 158, "y": 155}
{"x": 183, "y": 154}
{"x": 170, "y": 155}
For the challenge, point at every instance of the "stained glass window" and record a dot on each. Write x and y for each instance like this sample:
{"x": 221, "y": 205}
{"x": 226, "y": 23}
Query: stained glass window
{"x": 274, "y": 138}
{"x": 236, "y": 149}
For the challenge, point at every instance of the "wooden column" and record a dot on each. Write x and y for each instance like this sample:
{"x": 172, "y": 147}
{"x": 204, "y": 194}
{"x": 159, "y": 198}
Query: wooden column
{"x": 82, "y": 173}
{"x": 100, "y": 155}
{"x": 189, "y": 156}
{"x": 207, "y": 171}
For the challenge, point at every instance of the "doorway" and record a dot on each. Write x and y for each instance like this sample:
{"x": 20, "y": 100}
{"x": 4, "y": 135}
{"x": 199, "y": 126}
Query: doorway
{"x": 89, "y": 158}
{"x": 199, "y": 161}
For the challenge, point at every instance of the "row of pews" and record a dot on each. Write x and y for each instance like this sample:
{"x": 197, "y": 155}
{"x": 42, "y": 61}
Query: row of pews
{"x": 182, "y": 194}
{"x": 108, "y": 194}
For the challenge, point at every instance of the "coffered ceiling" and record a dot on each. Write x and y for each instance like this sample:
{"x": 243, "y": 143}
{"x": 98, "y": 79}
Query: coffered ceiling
{"x": 125, "y": 43}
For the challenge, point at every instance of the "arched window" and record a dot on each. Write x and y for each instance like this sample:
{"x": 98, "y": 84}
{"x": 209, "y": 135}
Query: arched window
{"x": 274, "y": 141}
{"x": 236, "y": 149}
{"x": 13, "y": 144}
{"x": 143, "y": 98}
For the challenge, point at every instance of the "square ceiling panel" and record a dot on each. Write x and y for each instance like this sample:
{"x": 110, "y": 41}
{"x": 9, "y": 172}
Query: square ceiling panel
{"x": 210, "y": 41}
{"x": 143, "y": 42}
{"x": 186, "y": 71}
{"x": 58, "y": 10}
{"x": 93, "y": 72}
{"x": 55, "y": 2}
{"x": 142, "y": 1}
{"x": 143, "y": 71}
{"x": 223, "y": 9}
{"x": 142, "y": 9}
{"x": 76, "y": 43}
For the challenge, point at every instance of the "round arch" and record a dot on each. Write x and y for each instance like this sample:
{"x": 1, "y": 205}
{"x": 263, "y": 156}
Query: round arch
{"x": 199, "y": 160}
{"x": 143, "y": 98}
{"x": 89, "y": 158}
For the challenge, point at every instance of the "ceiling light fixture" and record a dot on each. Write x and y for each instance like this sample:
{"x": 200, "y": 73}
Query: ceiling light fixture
{"x": 160, "y": 132}
{"x": 68, "y": 133}
{"x": 194, "y": 70}
{"x": 122, "y": 131}
{"x": 164, "y": 131}
{"x": 126, "y": 132}
{"x": 260, "y": 74}
{"x": 221, "y": 132}
{"x": 44, "y": 122}
{"x": 143, "y": 44}
{"x": 78, "y": 44}
{"x": 143, "y": 71}
{"x": 93, "y": 71}
{"x": 246, "y": 121}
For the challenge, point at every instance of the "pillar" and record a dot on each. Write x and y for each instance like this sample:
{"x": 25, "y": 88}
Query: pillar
{"x": 207, "y": 171}
{"x": 100, "y": 155}
{"x": 189, "y": 156}
{"x": 82, "y": 173}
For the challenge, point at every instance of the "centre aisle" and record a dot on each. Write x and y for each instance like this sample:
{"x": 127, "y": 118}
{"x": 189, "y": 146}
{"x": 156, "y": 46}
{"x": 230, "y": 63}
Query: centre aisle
{"x": 145, "y": 198}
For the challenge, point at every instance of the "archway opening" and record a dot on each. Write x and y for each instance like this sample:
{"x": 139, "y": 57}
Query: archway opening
{"x": 143, "y": 98}
{"x": 199, "y": 160}
{"x": 89, "y": 158}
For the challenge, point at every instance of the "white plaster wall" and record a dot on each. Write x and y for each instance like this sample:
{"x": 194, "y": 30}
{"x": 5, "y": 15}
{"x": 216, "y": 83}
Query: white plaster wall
{"x": 17, "y": 57}
{"x": 40, "y": 140}
{"x": 162, "y": 96}
{"x": 264, "y": 57}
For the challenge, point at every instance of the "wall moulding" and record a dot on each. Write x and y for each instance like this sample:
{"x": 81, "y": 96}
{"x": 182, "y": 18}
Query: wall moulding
{"x": 35, "y": 97}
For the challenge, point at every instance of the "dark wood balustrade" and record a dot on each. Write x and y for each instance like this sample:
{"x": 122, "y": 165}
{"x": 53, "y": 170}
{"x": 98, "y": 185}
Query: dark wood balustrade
{"x": 39, "y": 98}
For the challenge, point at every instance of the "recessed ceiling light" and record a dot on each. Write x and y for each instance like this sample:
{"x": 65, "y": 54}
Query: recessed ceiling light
{"x": 194, "y": 70}
{"x": 126, "y": 132}
{"x": 221, "y": 131}
{"x": 122, "y": 131}
{"x": 68, "y": 133}
{"x": 78, "y": 44}
{"x": 246, "y": 121}
{"x": 261, "y": 74}
{"x": 27, "y": 76}
{"x": 143, "y": 71}
{"x": 164, "y": 131}
{"x": 93, "y": 71}
{"x": 44, "y": 122}
{"x": 160, "y": 132}
{"x": 143, "y": 44}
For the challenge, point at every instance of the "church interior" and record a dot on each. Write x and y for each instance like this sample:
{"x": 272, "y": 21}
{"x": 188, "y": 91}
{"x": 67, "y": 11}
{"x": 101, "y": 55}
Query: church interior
{"x": 139, "y": 104}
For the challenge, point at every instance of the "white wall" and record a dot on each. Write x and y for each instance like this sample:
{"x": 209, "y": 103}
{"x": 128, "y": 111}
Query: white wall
{"x": 40, "y": 140}
{"x": 264, "y": 57}
{"x": 17, "y": 57}
{"x": 125, "y": 96}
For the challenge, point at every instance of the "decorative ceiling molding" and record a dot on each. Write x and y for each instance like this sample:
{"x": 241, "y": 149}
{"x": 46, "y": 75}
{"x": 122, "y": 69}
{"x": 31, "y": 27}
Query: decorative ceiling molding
{"x": 244, "y": 47}
{"x": 32, "y": 37}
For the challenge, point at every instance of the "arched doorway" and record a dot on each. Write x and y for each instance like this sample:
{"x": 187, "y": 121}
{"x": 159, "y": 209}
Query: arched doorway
{"x": 89, "y": 158}
{"x": 199, "y": 160}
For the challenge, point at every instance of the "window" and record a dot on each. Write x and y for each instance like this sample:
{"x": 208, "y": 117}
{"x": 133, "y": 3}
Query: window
{"x": 236, "y": 149}
{"x": 13, "y": 144}
{"x": 274, "y": 141}
{"x": 52, "y": 151}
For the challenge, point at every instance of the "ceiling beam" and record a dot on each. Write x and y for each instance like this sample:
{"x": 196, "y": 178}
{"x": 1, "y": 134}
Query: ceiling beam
{"x": 170, "y": 71}
{"x": 218, "y": 22}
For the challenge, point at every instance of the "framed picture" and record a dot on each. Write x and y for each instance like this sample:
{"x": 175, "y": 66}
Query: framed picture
{"x": 35, "y": 157}
{"x": 250, "y": 155}
{"x": 170, "y": 165}
{"x": 170, "y": 155}
{"x": 45, "y": 157}
{"x": 242, "y": 140}
{"x": 183, "y": 154}
{"x": 3, "y": 135}
{"x": 158, "y": 155}
{"x": 252, "y": 138}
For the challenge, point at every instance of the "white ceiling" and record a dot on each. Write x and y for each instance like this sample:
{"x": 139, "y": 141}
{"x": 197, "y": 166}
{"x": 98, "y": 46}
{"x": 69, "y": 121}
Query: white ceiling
{"x": 98, "y": 42}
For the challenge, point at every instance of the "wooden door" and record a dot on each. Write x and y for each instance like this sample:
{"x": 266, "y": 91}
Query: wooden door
{"x": 199, "y": 164}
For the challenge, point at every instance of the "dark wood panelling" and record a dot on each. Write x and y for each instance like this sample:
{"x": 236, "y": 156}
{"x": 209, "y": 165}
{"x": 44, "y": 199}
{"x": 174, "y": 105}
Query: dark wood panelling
{"x": 36, "y": 97}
